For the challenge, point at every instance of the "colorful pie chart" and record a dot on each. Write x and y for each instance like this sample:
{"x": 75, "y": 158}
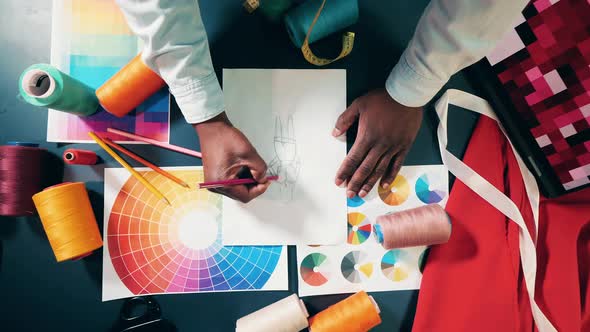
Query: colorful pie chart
{"x": 356, "y": 267}
{"x": 397, "y": 192}
{"x": 356, "y": 201}
{"x": 159, "y": 248}
{"x": 315, "y": 269}
{"x": 424, "y": 192}
{"x": 359, "y": 228}
{"x": 394, "y": 265}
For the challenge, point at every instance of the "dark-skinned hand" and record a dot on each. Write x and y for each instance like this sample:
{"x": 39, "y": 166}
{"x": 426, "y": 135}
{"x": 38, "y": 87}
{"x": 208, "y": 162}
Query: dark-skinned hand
{"x": 386, "y": 131}
{"x": 228, "y": 154}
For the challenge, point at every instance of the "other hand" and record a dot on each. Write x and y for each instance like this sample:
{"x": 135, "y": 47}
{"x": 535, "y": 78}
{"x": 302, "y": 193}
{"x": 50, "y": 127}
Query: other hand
{"x": 227, "y": 154}
{"x": 386, "y": 132}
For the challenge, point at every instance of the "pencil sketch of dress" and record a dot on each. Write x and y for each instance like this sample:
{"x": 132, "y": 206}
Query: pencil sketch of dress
{"x": 286, "y": 163}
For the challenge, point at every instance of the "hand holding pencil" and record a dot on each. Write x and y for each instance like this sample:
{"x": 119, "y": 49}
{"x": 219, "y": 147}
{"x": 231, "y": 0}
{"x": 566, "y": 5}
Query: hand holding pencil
{"x": 228, "y": 155}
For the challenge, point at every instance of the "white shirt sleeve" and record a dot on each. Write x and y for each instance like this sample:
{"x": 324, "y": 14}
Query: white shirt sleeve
{"x": 451, "y": 35}
{"x": 176, "y": 47}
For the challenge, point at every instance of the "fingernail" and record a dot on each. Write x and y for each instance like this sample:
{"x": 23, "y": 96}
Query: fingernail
{"x": 362, "y": 194}
{"x": 344, "y": 184}
{"x": 350, "y": 194}
{"x": 339, "y": 182}
{"x": 336, "y": 132}
{"x": 385, "y": 185}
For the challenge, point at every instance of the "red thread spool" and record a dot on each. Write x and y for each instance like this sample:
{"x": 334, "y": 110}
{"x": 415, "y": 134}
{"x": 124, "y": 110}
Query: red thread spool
{"x": 80, "y": 157}
{"x": 129, "y": 87}
{"x": 20, "y": 178}
{"x": 423, "y": 226}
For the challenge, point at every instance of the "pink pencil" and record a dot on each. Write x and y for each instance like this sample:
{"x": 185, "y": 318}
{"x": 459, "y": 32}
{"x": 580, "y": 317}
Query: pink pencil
{"x": 232, "y": 182}
{"x": 171, "y": 147}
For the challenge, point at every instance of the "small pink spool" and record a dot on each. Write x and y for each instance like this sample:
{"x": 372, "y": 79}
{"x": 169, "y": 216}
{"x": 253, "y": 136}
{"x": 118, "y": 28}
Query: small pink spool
{"x": 423, "y": 226}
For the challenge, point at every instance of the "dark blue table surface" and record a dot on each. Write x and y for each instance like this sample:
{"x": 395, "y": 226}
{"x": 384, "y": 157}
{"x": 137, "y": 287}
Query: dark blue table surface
{"x": 38, "y": 294}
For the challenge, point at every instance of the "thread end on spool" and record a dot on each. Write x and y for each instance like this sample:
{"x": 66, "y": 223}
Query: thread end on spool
{"x": 378, "y": 231}
{"x": 24, "y": 144}
{"x": 69, "y": 156}
{"x": 38, "y": 83}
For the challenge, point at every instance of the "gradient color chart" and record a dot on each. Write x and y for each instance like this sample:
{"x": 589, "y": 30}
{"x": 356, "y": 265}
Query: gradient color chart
{"x": 397, "y": 192}
{"x": 315, "y": 269}
{"x": 394, "y": 264}
{"x": 359, "y": 228}
{"x": 425, "y": 193}
{"x": 156, "y": 248}
{"x": 91, "y": 42}
{"x": 362, "y": 262}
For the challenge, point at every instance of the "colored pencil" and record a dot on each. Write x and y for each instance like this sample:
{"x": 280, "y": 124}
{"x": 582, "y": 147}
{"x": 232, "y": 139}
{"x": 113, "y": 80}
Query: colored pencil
{"x": 128, "y": 167}
{"x": 140, "y": 160}
{"x": 171, "y": 147}
{"x": 232, "y": 182}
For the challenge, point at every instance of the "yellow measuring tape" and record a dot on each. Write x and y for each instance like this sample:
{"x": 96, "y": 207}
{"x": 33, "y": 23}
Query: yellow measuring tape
{"x": 251, "y": 5}
{"x": 347, "y": 38}
{"x": 347, "y": 44}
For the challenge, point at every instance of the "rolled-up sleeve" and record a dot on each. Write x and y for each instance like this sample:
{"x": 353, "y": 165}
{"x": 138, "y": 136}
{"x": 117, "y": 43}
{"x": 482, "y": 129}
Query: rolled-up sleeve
{"x": 451, "y": 35}
{"x": 176, "y": 47}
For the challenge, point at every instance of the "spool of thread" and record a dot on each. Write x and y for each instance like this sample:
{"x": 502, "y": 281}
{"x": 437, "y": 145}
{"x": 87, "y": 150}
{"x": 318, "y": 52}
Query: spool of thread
{"x": 128, "y": 88}
{"x": 45, "y": 86}
{"x": 286, "y": 315}
{"x": 423, "y": 226}
{"x": 20, "y": 177}
{"x": 336, "y": 15}
{"x": 357, "y": 313}
{"x": 80, "y": 157}
{"x": 271, "y": 9}
{"x": 68, "y": 220}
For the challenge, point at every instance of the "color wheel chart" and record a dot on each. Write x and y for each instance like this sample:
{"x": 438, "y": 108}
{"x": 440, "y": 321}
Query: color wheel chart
{"x": 91, "y": 41}
{"x": 155, "y": 248}
{"x": 362, "y": 263}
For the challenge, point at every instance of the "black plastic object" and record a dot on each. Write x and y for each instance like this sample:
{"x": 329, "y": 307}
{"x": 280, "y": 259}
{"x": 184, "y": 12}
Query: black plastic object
{"x": 142, "y": 314}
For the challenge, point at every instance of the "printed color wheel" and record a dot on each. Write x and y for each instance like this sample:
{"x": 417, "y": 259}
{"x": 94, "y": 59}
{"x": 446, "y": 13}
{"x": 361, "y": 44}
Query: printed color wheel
{"x": 315, "y": 269}
{"x": 356, "y": 267}
{"x": 157, "y": 248}
{"x": 359, "y": 228}
{"x": 355, "y": 201}
{"x": 425, "y": 194}
{"x": 397, "y": 192}
{"x": 393, "y": 265}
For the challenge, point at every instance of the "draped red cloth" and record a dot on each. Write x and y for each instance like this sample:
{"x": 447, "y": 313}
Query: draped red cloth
{"x": 475, "y": 283}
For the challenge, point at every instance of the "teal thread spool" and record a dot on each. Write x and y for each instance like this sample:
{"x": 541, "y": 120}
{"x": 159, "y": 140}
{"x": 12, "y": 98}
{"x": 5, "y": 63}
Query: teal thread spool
{"x": 336, "y": 15}
{"x": 274, "y": 9}
{"x": 45, "y": 86}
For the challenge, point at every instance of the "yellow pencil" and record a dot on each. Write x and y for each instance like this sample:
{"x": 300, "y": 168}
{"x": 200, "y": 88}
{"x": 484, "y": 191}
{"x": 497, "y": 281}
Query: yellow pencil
{"x": 128, "y": 167}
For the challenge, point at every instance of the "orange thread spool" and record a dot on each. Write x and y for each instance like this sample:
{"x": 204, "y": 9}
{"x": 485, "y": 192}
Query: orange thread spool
{"x": 357, "y": 313}
{"x": 128, "y": 88}
{"x": 68, "y": 220}
{"x": 80, "y": 157}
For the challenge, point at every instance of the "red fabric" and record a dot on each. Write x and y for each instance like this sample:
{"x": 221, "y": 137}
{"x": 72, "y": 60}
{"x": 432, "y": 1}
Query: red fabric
{"x": 474, "y": 282}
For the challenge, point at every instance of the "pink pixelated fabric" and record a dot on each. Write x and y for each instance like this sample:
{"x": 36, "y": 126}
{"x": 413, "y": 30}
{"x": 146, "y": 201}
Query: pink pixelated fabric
{"x": 547, "y": 75}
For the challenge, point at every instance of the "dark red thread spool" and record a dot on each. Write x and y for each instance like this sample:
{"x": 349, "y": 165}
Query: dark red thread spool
{"x": 20, "y": 178}
{"x": 80, "y": 157}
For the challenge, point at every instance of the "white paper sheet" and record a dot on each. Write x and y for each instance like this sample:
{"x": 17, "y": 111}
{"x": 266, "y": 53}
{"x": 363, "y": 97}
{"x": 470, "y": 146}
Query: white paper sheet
{"x": 326, "y": 269}
{"x": 288, "y": 115}
{"x": 154, "y": 248}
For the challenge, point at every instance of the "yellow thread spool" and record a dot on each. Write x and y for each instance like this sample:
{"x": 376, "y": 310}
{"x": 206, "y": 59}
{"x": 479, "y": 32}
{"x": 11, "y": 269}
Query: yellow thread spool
{"x": 68, "y": 220}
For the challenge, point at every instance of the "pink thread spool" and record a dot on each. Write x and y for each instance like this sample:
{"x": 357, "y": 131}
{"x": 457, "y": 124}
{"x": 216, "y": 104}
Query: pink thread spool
{"x": 20, "y": 177}
{"x": 423, "y": 226}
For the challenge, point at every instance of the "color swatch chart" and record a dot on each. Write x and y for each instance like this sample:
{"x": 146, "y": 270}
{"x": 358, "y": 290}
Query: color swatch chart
{"x": 155, "y": 248}
{"x": 362, "y": 263}
{"x": 91, "y": 41}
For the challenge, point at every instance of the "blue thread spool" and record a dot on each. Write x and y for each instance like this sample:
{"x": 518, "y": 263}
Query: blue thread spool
{"x": 336, "y": 15}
